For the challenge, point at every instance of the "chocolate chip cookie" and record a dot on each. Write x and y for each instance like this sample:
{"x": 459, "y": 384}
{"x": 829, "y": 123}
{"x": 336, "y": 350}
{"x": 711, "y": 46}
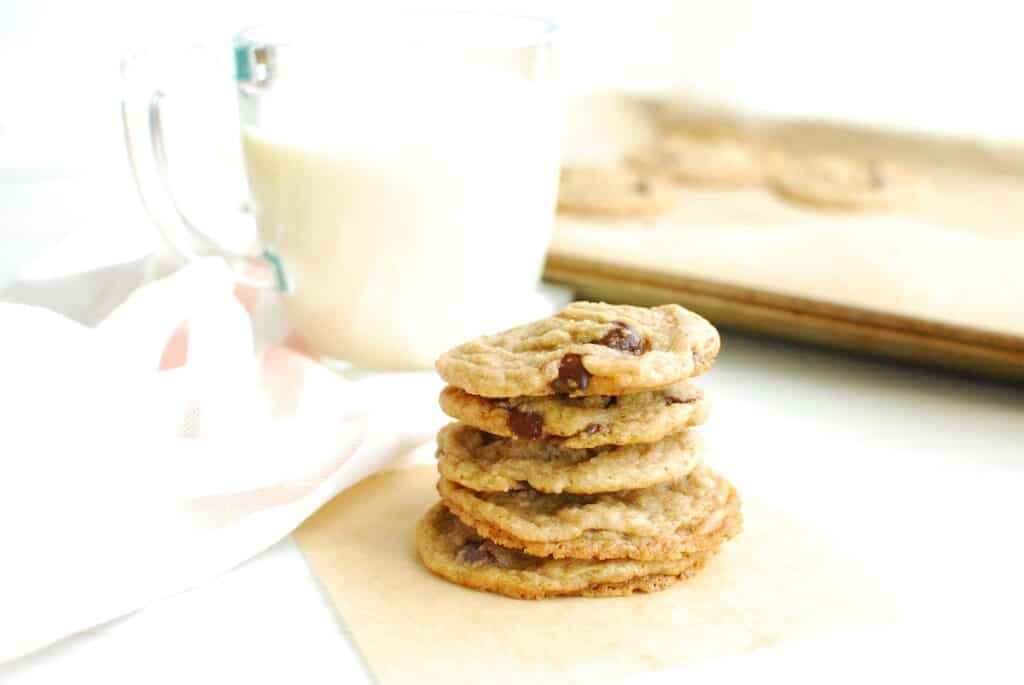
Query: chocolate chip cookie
{"x": 845, "y": 183}
{"x": 589, "y": 348}
{"x": 488, "y": 463}
{"x": 580, "y": 422}
{"x": 613, "y": 191}
{"x": 666, "y": 521}
{"x": 457, "y": 553}
{"x": 713, "y": 157}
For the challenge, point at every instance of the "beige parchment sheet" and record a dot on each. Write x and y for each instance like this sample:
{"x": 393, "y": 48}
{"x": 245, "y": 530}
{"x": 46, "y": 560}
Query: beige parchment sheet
{"x": 780, "y": 581}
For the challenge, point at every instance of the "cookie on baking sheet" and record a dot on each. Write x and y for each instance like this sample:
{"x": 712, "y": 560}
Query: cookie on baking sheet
{"x": 613, "y": 191}
{"x": 580, "y": 422}
{"x": 666, "y": 521}
{"x": 711, "y": 157}
{"x": 457, "y": 553}
{"x": 589, "y": 348}
{"x": 485, "y": 462}
{"x": 846, "y": 183}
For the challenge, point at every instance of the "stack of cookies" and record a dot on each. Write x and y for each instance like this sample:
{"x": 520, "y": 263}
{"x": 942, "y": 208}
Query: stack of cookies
{"x": 573, "y": 468}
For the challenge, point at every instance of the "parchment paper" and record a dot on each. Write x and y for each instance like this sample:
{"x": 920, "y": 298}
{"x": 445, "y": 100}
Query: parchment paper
{"x": 777, "y": 582}
{"x": 955, "y": 257}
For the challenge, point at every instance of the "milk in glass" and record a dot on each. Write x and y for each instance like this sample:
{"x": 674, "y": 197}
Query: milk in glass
{"x": 410, "y": 210}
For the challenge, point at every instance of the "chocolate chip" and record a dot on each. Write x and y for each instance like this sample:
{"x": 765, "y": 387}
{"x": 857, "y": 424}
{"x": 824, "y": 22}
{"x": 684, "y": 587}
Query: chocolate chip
{"x": 525, "y": 425}
{"x": 572, "y": 376}
{"x": 678, "y": 400}
{"x": 611, "y": 401}
{"x": 474, "y": 552}
{"x": 875, "y": 178}
{"x": 624, "y": 339}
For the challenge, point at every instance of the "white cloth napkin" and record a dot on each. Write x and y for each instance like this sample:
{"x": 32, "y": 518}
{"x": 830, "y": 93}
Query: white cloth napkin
{"x": 165, "y": 444}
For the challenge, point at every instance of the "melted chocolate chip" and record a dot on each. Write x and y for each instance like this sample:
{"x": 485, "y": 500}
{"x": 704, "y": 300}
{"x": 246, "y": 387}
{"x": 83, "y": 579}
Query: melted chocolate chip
{"x": 474, "y": 552}
{"x": 525, "y": 425}
{"x": 678, "y": 400}
{"x": 624, "y": 339}
{"x": 875, "y": 178}
{"x": 572, "y": 376}
{"x": 611, "y": 401}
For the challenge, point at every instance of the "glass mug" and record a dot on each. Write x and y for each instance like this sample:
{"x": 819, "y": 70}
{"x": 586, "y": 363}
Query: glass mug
{"x": 402, "y": 172}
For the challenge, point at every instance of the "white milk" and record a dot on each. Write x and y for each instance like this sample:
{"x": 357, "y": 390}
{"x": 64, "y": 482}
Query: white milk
{"x": 410, "y": 212}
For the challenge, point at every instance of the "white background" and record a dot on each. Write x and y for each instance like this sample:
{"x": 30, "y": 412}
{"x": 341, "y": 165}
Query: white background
{"x": 950, "y": 67}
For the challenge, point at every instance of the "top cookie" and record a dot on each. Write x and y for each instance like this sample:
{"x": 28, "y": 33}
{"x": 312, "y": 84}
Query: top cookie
{"x": 589, "y": 348}
{"x": 711, "y": 158}
{"x": 845, "y": 183}
{"x": 613, "y": 191}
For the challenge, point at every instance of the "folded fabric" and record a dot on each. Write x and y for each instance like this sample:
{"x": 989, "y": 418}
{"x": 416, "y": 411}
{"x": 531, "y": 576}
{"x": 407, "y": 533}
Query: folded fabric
{"x": 163, "y": 446}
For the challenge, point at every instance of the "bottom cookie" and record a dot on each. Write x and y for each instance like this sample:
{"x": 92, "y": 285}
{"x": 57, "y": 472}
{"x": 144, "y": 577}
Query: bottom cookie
{"x": 459, "y": 554}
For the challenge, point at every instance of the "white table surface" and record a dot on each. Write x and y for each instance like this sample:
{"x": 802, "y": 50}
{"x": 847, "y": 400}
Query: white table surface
{"x": 269, "y": 619}
{"x": 917, "y": 475}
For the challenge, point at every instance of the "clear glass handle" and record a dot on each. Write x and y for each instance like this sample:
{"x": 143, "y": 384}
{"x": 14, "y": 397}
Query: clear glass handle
{"x": 142, "y": 112}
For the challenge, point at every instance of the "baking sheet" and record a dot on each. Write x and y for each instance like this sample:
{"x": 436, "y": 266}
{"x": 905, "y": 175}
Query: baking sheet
{"x": 780, "y": 581}
{"x": 949, "y": 269}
